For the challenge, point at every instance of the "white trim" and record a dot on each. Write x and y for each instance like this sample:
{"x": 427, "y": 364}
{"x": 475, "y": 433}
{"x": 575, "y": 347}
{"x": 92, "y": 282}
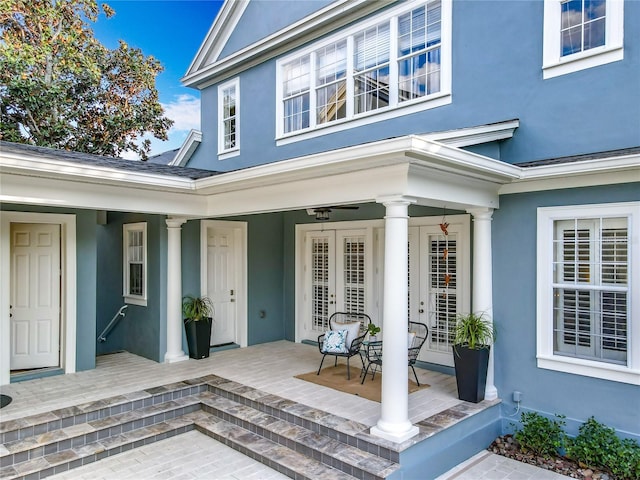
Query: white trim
{"x": 395, "y": 108}
{"x": 140, "y": 300}
{"x": 464, "y": 137}
{"x": 544, "y": 302}
{"x": 327, "y": 19}
{"x": 68, "y": 296}
{"x": 235, "y": 150}
{"x": 188, "y": 147}
{"x": 218, "y": 35}
{"x": 240, "y": 231}
{"x": 554, "y": 64}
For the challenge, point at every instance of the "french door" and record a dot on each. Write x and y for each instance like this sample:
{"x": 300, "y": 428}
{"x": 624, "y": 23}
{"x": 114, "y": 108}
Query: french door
{"x": 337, "y": 276}
{"x": 438, "y": 285}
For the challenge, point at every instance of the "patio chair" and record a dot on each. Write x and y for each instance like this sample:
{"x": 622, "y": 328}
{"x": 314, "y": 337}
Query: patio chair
{"x": 417, "y": 336}
{"x": 344, "y": 337}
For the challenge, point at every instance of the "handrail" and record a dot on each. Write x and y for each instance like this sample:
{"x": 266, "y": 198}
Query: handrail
{"x": 120, "y": 314}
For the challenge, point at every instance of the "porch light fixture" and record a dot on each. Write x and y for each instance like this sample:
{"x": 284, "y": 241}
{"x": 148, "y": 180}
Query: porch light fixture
{"x": 322, "y": 214}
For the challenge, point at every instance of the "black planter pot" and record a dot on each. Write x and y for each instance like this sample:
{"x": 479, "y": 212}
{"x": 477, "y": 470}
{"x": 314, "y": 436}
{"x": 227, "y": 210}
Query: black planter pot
{"x": 198, "y": 338}
{"x": 471, "y": 372}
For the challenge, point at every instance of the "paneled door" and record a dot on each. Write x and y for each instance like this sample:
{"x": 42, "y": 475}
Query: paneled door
{"x": 35, "y": 296}
{"x": 221, "y": 283}
{"x": 438, "y": 286}
{"x": 337, "y": 275}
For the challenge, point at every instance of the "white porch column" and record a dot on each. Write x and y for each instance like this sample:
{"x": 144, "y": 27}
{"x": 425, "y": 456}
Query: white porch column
{"x": 174, "y": 291}
{"x": 483, "y": 279}
{"x": 394, "y": 424}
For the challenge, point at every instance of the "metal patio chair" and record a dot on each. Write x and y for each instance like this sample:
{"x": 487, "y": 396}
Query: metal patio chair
{"x": 356, "y": 326}
{"x": 417, "y": 336}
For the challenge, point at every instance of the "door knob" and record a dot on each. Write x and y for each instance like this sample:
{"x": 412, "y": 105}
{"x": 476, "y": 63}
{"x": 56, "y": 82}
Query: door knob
{"x": 421, "y": 311}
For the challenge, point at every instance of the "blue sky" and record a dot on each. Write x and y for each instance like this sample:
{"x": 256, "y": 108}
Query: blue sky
{"x": 171, "y": 31}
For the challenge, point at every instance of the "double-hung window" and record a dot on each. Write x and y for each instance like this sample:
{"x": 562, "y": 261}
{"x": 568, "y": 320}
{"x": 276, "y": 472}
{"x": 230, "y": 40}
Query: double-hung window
{"x": 229, "y": 117}
{"x": 400, "y": 58}
{"x": 135, "y": 263}
{"x": 586, "y": 290}
{"x": 580, "y": 34}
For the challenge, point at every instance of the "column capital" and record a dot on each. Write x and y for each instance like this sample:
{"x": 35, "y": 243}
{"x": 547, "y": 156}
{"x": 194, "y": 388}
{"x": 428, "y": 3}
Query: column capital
{"x": 175, "y": 222}
{"x": 387, "y": 200}
{"x": 481, "y": 213}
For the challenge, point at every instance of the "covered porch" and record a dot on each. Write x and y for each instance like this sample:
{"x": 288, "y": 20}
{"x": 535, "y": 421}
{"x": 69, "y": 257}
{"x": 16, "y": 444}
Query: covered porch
{"x": 267, "y": 368}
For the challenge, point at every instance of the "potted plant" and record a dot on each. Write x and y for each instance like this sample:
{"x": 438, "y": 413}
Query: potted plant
{"x": 473, "y": 336}
{"x": 198, "y": 317}
{"x": 373, "y": 330}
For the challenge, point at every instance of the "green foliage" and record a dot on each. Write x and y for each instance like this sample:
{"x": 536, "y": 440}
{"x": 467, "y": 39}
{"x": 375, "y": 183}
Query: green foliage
{"x": 195, "y": 309}
{"x": 597, "y": 445}
{"x": 543, "y": 436}
{"x": 474, "y": 331}
{"x": 61, "y": 88}
{"x": 373, "y": 329}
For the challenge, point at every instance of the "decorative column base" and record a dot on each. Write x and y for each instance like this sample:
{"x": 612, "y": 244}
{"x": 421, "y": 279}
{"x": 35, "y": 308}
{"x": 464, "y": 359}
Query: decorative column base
{"x": 395, "y": 436}
{"x": 175, "y": 358}
{"x": 490, "y": 392}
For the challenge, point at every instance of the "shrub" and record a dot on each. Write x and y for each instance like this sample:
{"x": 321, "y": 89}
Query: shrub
{"x": 597, "y": 445}
{"x": 541, "y": 435}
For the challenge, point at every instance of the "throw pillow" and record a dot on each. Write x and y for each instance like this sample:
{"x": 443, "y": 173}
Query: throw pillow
{"x": 335, "y": 341}
{"x": 353, "y": 332}
{"x": 412, "y": 337}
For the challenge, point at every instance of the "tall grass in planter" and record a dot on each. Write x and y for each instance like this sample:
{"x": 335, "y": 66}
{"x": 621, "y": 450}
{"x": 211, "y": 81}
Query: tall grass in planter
{"x": 473, "y": 336}
{"x": 198, "y": 317}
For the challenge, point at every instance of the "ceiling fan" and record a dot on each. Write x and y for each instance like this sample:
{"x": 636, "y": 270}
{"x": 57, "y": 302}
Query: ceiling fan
{"x": 322, "y": 213}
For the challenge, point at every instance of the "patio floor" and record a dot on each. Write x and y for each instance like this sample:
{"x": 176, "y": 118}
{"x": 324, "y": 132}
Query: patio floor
{"x": 268, "y": 367}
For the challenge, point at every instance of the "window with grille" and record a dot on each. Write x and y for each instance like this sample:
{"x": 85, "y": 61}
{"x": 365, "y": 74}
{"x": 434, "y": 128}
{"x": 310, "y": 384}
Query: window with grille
{"x": 581, "y": 34}
{"x": 229, "y": 117}
{"x": 393, "y": 59}
{"x": 354, "y": 274}
{"x": 586, "y": 288}
{"x": 135, "y": 263}
{"x": 591, "y": 264}
{"x": 443, "y": 296}
{"x": 320, "y": 283}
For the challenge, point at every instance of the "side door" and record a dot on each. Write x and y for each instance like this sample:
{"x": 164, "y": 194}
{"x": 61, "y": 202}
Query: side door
{"x": 221, "y": 283}
{"x": 35, "y": 296}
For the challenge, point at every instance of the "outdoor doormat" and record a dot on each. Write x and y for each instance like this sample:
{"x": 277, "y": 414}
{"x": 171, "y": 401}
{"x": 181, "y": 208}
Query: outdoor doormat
{"x": 5, "y": 400}
{"x": 336, "y": 378}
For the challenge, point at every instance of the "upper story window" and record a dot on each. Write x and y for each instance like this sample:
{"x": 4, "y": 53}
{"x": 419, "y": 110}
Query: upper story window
{"x": 229, "y": 117}
{"x": 396, "y": 59}
{"x": 586, "y": 293}
{"x": 135, "y": 263}
{"x": 580, "y": 34}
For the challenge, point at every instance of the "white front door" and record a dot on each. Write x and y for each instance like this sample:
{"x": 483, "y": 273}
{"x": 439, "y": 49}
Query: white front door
{"x": 35, "y": 296}
{"x": 337, "y": 276}
{"x": 438, "y": 285}
{"x": 221, "y": 283}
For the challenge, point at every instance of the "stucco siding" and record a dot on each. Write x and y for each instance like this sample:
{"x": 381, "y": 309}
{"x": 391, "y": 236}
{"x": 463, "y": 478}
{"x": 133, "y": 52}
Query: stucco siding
{"x": 514, "y": 291}
{"x": 496, "y": 76}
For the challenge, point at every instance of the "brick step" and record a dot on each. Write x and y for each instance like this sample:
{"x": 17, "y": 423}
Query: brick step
{"x": 78, "y": 435}
{"x": 268, "y": 452}
{"x": 311, "y": 443}
{"x": 338, "y": 428}
{"x": 73, "y": 457}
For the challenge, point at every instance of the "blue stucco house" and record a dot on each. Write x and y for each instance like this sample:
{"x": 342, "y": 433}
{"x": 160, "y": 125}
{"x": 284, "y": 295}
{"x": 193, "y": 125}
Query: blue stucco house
{"x": 499, "y": 141}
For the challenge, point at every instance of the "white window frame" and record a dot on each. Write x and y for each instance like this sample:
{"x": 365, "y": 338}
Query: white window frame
{"x": 554, "y": 64}
{"x": 128, "y": 297}
{"x": 547, "y": 216}
{"x": 395, "y": 109}
{"x": 223, "y": 152}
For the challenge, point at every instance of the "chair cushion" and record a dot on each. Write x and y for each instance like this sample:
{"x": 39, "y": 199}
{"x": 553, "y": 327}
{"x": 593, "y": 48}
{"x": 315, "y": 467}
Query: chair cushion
{"x": 353, "y": 332}
{"x": 335, "y": 342}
